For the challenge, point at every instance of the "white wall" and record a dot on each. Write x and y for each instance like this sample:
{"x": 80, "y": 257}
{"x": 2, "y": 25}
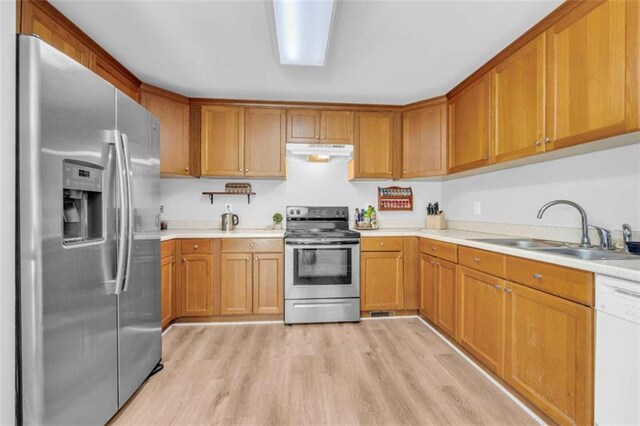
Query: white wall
{"x": 7, "y": 210}
{"x": 605, "y": 183}
{"x": 307, "y": 184}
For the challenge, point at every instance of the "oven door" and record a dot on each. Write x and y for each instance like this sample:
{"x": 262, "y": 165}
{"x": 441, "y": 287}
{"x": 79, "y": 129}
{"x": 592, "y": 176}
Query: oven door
{"x": 327, "y": 269}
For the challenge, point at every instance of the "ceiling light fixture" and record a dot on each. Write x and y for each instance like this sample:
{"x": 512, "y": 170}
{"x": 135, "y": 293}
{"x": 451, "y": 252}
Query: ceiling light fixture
{"x": 303, "y": 28}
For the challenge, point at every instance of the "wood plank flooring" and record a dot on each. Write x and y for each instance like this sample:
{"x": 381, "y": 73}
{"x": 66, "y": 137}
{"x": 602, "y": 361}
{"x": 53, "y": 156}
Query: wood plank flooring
{"x": 378, "y": 372}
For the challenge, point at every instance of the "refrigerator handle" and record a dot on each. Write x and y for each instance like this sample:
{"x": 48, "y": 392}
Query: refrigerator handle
{"x": 130, "y": 211}
{"x": 123, "y": 219}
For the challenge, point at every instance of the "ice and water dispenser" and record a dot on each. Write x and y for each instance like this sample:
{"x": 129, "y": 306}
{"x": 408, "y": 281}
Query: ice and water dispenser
{"x": 82, "y": 214}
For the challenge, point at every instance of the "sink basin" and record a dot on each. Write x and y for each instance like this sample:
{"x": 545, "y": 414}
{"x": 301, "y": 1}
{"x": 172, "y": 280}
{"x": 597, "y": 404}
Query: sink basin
{"x": 525, "y": 243}
{"x": 590, "y": 253}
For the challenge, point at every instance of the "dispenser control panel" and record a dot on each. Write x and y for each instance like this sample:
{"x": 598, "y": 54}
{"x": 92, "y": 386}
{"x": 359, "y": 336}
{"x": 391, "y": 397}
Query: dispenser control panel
{"x": 80, "y": 177}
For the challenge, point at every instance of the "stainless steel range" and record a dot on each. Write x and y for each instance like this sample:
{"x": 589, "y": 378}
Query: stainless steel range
{"x": 322, "y": 266}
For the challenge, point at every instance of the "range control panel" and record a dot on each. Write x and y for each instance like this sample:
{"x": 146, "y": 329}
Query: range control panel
{"x": 327, "y": 213}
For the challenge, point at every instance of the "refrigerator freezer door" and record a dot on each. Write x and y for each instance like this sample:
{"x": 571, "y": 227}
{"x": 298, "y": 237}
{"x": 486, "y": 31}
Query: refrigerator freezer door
{"x": 68, "y": 312}
{"x": 140, "y": 333}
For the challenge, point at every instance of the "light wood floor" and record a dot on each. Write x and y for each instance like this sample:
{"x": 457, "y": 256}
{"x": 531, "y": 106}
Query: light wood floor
{"x": 379, "y": 372}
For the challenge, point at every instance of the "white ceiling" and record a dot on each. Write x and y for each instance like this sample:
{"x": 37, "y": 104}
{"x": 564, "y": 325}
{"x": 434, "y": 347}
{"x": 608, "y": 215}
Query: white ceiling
{"x": 388, "y": 51}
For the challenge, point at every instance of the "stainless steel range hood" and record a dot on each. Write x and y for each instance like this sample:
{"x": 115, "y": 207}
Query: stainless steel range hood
{"x": 319, "y": 152}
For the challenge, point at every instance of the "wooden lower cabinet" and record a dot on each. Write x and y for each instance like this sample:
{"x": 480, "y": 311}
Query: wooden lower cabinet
{"x": 236, "y": 279}
{"x": 481, "y": 302}
{"x": 446, "y": 306}
{"x": 428, "y": 277}
{"x": 196, "y": 285}
{"x": 381, "y": 280}
{"x": 268, "y": 283}
{"x": 251, "y": 282}
{"x": 167, "y": 289}
{"x": 549, "y": 353}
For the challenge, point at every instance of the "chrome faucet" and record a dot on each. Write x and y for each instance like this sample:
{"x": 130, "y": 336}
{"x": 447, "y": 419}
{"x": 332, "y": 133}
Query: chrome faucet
{"x": 606, "y": 240}
{"x": 585, "y": 241}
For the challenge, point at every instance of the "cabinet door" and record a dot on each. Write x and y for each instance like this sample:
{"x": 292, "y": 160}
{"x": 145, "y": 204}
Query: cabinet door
{"x": 222, "y": 141}
{"x": 36, "y": 20}
{"x": 303, "y": 126}
{"x": 336, "y": 127}
{"x": 411, "y": 273}
{"x": 518, "y": 102}
{"x": 264, "y": 142}
{"x": 167, "y": 289}
{"x": 268, "y": 283}
{"x": 469, "y": 126}
{"x": 481, "y": 317}
{"x": 381, "y": 281}
{"x": 446, "y": 305}
{"x": 428, "y": 278}
{"x": 197, "y": 285}
{"x": 593, "y": 57}
{"x": 236, "y": 284}
{"x": 549, "y": 353}
{"x": 373, "y": 150}
{"x": 174, "y": 132}
{"x": 424, "y": 142}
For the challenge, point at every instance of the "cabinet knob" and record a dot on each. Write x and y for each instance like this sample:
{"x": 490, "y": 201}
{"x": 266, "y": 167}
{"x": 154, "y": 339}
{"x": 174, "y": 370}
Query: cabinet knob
{"x": 485, "y": 157}
{"x": 497, "y": 286}
{"x": 405, "y": 172}
{"x": 537, "y": 143}
{"x": 255, "y": 258}
{"x": 476, "y": 259}
{"x": 186, "y": 169}
{"x": 537, "y": 276}
{"x": 381, "y": 244}
{"x": 195, "y": 246}
{"x": 240, "y": 169}
{"x": 324, "y": 137}
{"x": 389, "y": 172}
{"x": 246, "y": 170}
{"x": 547, "y": 140}
{"x": 248, "y": 258}
{"x": 434, "y": 248}
{"x": 251, "y": 245}
{"x": 507, "y": 290}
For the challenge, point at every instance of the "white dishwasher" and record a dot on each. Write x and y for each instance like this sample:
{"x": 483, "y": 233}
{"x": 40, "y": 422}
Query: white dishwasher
{"x": 617, "y": 383}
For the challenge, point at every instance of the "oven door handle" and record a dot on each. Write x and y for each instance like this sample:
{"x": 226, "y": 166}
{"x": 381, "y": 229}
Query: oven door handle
{"x": 322, "y": 243}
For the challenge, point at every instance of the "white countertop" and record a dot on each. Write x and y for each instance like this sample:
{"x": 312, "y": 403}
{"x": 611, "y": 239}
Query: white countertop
{"x": 172, "y": 234}
{"x": 623, "y": 269}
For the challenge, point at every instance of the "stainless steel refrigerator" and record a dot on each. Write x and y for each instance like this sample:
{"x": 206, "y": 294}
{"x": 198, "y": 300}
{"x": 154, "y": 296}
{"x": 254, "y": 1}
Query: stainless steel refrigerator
{"x": 89, "y": 241}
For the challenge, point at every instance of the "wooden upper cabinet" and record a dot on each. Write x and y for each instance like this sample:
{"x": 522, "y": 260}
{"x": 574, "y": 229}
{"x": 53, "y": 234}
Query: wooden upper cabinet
{"x": 236, "y": 284}
{"x": 481, "y": 317}
{"x": 173, "y": 112}
{"x": 424, "y": 141}
{"x": 336, "y": 127}
{"x": 428, "y": 278}
{"x": 469, "y": 126}
{"x": 264, "y": 142}
{"x": 549, "y": 353}
{"x": 37, "y": 18}
{"x": 518, "y": 102}
{"x": 303, "y": 126}
{"x": 222, "y": 141}
{"x": 196, "y": 285}
{"x": 592, "y": 72}
{"x": 374, "y": 146}
{"x": 268, "y": 283}
{"x": 381, "y": 278}
{"x": 115, "y": 76}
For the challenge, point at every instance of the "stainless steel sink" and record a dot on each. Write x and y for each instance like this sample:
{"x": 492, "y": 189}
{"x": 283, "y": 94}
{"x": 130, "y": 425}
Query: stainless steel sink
{"x": 525, "y": 243}
{"x": 557, "y": 247}
{"x": 590, "y": 253}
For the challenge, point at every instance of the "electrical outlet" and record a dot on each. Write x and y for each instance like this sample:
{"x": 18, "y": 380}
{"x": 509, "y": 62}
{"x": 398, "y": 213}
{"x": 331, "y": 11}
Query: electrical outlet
{"x": 477, "y": 208}
{"x": 228, "y": 207}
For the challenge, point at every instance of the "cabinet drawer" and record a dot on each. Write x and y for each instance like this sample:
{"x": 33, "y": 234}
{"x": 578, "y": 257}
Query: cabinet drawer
{"x": 197, "y": 245}
{"x": 168, "y": 248}
{"x": 252, "y": 245}
{"x": 446, "y": 251}
{"x": 485, "y": 261}
{"x": 381, "y": 244}
{"x": 565, "y": 282}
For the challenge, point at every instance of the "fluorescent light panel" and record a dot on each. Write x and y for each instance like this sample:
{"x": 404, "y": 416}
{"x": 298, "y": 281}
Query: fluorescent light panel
{"x": 303, "y": 28}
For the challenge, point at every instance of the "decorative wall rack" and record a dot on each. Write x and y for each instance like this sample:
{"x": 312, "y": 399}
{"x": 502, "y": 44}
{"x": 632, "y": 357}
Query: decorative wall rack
{"x": 211, "y": 194}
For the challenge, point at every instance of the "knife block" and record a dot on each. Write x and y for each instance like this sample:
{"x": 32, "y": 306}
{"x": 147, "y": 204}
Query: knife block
{"x": 436, "y": 221}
